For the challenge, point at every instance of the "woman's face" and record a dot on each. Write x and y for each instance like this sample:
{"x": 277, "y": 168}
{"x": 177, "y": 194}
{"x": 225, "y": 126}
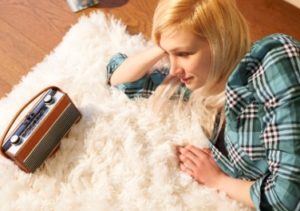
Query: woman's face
{"x": 189, "y": 55}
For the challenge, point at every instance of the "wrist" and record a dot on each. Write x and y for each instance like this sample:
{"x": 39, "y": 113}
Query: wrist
{"x": 159, "y": 51}
{"x": 221, "y": 181}
{"x": 237, "y": 189}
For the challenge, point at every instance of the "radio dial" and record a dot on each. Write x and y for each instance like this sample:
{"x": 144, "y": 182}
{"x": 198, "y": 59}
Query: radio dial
{"x": 48, "y": 99}
{"x": 15, "y": 139}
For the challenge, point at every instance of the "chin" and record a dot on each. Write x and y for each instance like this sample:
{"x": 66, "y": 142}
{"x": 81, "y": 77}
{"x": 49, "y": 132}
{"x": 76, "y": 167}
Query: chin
{"x": 192, "y": 86}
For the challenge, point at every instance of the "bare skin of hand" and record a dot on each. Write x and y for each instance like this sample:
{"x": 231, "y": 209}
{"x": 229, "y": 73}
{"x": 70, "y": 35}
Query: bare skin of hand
{"x": 200, "y": 164}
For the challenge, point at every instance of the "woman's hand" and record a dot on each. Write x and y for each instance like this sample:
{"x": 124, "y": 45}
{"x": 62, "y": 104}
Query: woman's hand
{"x": 200, "y": 164}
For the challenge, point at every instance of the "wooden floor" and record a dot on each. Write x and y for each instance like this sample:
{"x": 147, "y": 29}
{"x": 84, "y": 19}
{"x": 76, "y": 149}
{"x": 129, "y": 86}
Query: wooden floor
{"x": 30, "y": 29}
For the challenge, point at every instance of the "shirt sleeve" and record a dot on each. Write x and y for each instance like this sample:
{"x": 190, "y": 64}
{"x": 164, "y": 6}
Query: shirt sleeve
{"x": 143, "y": 87}
{"x": 278, "y": 87}
{"x": 113, "y": 64}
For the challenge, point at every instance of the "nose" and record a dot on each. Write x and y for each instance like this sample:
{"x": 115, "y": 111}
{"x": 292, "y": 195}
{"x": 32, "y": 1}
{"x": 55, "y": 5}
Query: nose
{"x": 176, "y": 70}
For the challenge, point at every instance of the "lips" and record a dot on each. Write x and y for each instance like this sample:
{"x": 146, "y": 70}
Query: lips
{"x": 186, "y": 80}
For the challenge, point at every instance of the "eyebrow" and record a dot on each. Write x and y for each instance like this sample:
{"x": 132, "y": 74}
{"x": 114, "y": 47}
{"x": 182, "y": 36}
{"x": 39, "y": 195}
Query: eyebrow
{"x": 182, "y": 48}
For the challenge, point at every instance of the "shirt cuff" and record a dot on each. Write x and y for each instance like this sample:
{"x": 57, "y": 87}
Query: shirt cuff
{"x": 113, "y": 64}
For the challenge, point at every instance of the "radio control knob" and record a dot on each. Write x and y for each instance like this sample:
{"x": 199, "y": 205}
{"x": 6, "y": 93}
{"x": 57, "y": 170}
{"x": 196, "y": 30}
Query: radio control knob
{"x": 15, "y": 139}
{"x": 48, "y": 99}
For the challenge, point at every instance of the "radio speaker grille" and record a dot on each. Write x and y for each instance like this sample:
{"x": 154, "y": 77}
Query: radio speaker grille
{"x": 52, "y": 138}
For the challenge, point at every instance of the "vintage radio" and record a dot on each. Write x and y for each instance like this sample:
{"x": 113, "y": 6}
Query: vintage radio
{"x": 38, "y": 134}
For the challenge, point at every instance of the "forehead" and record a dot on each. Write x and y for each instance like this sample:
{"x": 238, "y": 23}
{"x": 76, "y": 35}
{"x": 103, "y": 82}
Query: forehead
{"x": 173, "y": 38}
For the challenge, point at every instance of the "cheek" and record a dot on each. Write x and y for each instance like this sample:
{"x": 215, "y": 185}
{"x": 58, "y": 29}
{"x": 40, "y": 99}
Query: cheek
{"x": 201, "y": 65}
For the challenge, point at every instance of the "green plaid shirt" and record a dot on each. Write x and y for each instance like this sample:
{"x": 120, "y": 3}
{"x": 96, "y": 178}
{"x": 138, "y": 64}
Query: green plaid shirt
{"x": 262, "y": 131}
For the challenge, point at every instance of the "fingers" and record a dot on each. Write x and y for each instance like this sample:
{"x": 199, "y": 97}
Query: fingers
{"x": 187, "y": 162}
{"x": 185, "y": 169}
{"x": 198, "y": 151}
{"x": 198, "y": 163}
{"x": 207, "y": 151}
{"x": 186, "y": 155}
{"x": 194, "y": 150}
{"x": 191, "y": 157}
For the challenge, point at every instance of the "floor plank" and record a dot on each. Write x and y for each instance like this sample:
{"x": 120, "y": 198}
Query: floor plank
{"x": 35, "y": 19}
{"x": 271, "y": 16}
{"x": 15, "y": 63}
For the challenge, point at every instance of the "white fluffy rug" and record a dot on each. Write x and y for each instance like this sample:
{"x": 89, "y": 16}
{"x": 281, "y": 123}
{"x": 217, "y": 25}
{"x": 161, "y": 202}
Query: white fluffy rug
{"x": 120, "y": 156}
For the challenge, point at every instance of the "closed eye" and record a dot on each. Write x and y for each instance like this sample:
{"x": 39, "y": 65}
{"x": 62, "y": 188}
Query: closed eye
{"x": 183, "y": 54}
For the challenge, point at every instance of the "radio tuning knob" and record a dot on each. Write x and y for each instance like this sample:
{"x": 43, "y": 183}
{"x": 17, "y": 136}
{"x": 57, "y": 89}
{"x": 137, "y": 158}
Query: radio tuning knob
{"x": 48, "y": 99}
{"x": 15, "y": 139}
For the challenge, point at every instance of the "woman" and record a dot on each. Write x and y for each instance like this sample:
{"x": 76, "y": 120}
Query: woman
{"x": 248, "y": 98}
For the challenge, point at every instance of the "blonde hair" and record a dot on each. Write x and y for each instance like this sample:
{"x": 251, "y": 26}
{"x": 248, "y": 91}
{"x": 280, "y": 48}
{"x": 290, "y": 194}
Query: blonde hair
{"x": 226, "y": 31}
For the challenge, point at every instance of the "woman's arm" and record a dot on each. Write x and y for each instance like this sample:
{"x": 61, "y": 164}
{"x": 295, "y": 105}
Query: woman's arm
{"x": 236, "y": 188}
{"x": 200, "y": 164}
{"x": 135, "y": 67}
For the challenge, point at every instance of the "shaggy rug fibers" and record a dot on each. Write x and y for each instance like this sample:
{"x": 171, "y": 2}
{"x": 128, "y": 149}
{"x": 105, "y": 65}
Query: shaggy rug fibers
{"x": 121, "y": 155}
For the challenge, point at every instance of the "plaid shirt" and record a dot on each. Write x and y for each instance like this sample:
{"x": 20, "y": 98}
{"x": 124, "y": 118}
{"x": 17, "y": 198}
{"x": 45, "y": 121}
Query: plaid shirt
{"x": 262, "y": 131}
